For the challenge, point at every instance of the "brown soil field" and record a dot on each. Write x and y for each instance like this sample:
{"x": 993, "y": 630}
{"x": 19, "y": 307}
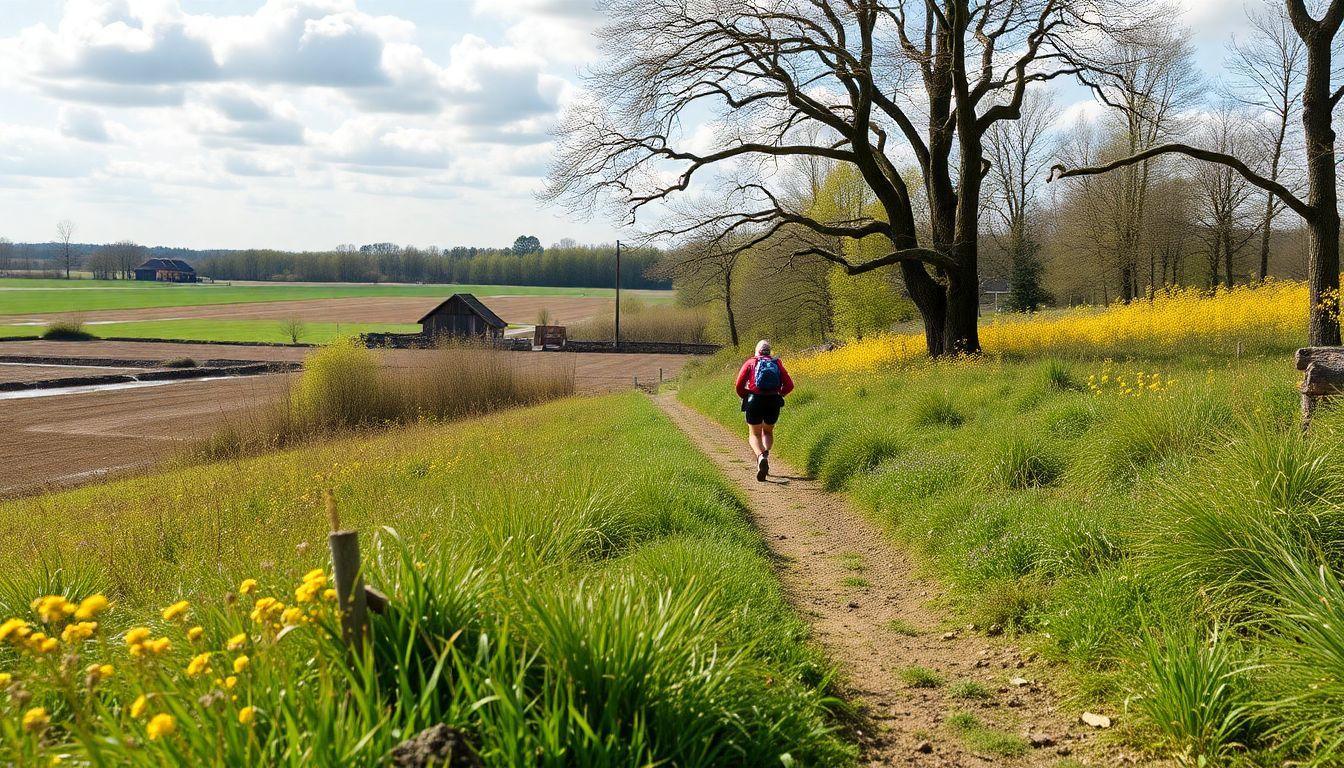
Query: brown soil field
{"x": 10, "y": 372}
{"x": 385, "y": 309}
{"x": 70, "y": 439}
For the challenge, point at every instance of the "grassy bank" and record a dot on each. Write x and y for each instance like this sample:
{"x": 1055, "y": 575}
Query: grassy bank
{"x": 1159, "y": 525}
{"x": 573, "y": 585}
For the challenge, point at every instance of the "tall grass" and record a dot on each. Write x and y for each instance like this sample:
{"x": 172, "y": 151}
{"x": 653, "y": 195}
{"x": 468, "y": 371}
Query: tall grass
{"x": 646, "y": 322}
{"x": 1094, "y": 519}
{"x": 67, "y": 329}
{"x": 344, "y": 387}
{"x": 571, "y": 585}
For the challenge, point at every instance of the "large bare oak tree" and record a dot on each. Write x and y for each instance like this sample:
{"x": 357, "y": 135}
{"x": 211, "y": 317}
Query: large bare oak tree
{"x": 876, "y": 84}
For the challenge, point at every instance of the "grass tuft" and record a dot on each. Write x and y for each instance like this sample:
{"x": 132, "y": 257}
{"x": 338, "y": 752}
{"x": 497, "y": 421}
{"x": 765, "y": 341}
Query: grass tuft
{"x": 921, "y": 677}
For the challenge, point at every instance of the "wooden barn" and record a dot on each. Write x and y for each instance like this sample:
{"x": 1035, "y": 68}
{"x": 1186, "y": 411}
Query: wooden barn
{"x": 166, "y": 271}
{"x": 462, "y": 316}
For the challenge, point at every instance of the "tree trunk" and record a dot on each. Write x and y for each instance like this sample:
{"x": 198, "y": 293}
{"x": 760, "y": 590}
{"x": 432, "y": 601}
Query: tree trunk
{"x": 961, "y": 334}
{"x": 1323, "y": 224}
{"x": 931, "y": 301}
{"x": 1226, "y": 237}
{"x": 728, "y": 307}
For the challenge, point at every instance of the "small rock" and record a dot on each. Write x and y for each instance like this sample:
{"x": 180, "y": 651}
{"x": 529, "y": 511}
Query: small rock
{"x": 994, "y": 629}
{"x": 1064, "y": 750}
{"x": 924, "y": 747}
{"x": 1019, "y": 664}
{"x": 438, "y": 745}
{"x": 1041, "y": 740}
{"x": 1019, "y": 681}
{"x": 981, "y": 664}
{"x": 950, "y": 635}
{"x": 853, "y": 605}
{"x": 1014, "y": 702}
{"x": 1095, "y": 720}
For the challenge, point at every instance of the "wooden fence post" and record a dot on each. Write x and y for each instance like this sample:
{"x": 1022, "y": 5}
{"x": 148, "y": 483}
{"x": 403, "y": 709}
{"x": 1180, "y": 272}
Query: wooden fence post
{"x": 350, "y": 594}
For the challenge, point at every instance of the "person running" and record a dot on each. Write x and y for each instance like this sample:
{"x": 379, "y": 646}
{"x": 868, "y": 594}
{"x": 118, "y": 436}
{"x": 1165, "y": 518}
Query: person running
{"x": 762, "y": 384}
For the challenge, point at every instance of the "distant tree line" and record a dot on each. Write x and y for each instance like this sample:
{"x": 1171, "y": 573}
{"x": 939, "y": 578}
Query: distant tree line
{"x": 580, "y": 266}
{"x": 526, "y": 262}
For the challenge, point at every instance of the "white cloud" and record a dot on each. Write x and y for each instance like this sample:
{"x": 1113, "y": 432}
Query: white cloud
{"x": 30, "y": 151}
{"x": 84, "y": 124}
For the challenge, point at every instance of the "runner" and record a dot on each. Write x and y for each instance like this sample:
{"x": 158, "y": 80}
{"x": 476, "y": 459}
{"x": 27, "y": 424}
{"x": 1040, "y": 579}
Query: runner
{"x": 762, "y": 384}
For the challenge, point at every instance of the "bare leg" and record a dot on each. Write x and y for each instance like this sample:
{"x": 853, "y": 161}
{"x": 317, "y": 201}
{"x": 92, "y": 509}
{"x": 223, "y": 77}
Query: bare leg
{"x": 767, "y": 437}
{"x": 755, "y": 438}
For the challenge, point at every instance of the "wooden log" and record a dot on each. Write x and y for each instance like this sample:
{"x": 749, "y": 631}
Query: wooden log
{"x": 1333, "y": 356}
{"x": 351, "y": 596}
{"x": 1322, "y": 379}
{"x": 376, "y": 600}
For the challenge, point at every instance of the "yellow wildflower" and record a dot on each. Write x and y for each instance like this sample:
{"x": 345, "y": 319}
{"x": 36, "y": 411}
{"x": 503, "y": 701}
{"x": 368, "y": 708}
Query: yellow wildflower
{"x": 246, "y": 715}
{"x": 78, "y": 632}
{"x": 36, "y": 719}
{"x": 90, "y": 607}
{"x": 247, "y": 587}
{"x": 139, "y": 706}
{"x": 16, "y": 628}
{"x": 317, "y": 575}
{"x": 38, "y": 642}
{"x": 195, "y": 634}
{"x": 176, "y": 610}
{"x": 5, "y": 679}
{"x": 229, "y": 682}
{"x": 240, "y": 664}
{"x": 329, "y": 595}
{"x": 237, "y": 641}
{"x": 53, "y": 608}
{"x": 267, "y": 610}
{"x": 159, "y": 726}
{"x": 293, "y": 617}
{"x": 158, "y": 646}
{"x": 137, "y": 635}
{"x": 198, "y": 664}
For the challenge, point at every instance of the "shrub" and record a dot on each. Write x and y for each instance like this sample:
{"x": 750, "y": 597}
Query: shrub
{"x": 69, "y": 329}
{"x": 1195, "y": 692}
{"x": 343, "y": 388}
{"x": 1058, "y": 376}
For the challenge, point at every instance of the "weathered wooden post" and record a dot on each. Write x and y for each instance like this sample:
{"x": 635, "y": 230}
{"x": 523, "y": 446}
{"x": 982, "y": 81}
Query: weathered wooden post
{"x": 1323, "y": 376}
{"x": 350, "y": 594}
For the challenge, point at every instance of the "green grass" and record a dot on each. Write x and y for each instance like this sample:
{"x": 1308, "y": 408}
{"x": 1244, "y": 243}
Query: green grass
{"x": 856, "y": 582}
{"x": 921, "y": 677}
{"x": 969, "y": 690}
{"x": 1090, "y": 522}
{"x": 983, "y": 738}
{"x": 903, "y": 627}
{"x": 203, "y": 329}
{"x": 21, "y": 296}
{"x": 572, "y": 585}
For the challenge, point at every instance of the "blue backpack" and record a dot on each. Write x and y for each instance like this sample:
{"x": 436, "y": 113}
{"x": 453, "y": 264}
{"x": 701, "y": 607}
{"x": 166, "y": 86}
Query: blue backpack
{"x": 767, "y": 374}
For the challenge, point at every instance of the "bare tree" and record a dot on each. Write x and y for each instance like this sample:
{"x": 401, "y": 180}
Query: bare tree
{"x": 1267, "y": 69}
{"x": 65, "y": 232}
{"x": 7, "y": 261}
{"x": 1320, "y": 211}
{"x": 1224, "y": 196}
{"x": 293, "y": 328}
{"x": 708, "y": 264}
{"x": 843, "y": 80}
{"x": 1019, "y": 154}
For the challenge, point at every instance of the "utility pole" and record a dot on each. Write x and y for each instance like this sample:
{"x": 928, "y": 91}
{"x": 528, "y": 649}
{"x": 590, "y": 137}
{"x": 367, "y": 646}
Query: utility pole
{"x": 618, "y": 294}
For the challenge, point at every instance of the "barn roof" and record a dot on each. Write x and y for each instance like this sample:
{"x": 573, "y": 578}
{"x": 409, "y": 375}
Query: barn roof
{"x": 472, "y": 303}
{"x": 177, "y": 264}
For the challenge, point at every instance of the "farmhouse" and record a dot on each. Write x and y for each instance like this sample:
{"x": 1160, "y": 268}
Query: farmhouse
{"x": 166, "y": 271}
{"x": 462, "y": 315}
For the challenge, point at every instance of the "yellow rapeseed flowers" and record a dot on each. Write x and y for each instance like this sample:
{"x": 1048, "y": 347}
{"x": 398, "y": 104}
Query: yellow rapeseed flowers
{"x": 53, "y": 608}
{"x": 139, "y": 706}
{"x": 246, "y": 715}
{"x": 237, "y": 642}
{"x": 1245, "y": 316}
{"x": 240, "y": 664}
{"x": 199, "y": 664}
{"x": 247, "y": 587}
{"x": 90, "y": 607}
{"x": 195, "y": 634}
{"x": 36, "y": 719}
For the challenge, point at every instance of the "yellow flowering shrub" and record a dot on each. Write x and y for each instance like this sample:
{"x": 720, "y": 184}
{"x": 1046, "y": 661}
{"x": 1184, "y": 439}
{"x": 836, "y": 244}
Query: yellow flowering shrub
{"x": 1272, "y": 316}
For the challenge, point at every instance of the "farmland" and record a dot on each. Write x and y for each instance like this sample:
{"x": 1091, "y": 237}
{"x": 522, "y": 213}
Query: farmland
{"x": 559, "y": 600}
{"x": 72, "y": 438}
{"x": 264, "y": 312}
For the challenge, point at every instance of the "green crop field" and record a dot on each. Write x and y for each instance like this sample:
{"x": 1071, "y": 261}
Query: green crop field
{"x": 1162, "y": 527}
{"x": 572, "y": 585}
{"x": 243, "y": 331}
{"x": 21, "y": 296}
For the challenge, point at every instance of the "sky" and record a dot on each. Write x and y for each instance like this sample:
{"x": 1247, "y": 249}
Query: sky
{"x": 306, "y": 124}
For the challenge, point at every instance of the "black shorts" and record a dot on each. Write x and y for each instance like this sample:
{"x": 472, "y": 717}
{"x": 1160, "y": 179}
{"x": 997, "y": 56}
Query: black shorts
{"x": 763, "y": 409}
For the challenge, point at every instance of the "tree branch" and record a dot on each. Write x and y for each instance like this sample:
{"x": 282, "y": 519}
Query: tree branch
{"x": 1058, "y": 171}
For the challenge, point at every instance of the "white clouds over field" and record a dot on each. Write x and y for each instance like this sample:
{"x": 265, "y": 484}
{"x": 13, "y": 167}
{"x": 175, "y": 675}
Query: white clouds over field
{"x": 326, "y": 105}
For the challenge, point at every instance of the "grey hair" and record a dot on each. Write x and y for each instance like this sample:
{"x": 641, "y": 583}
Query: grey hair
{"x": 763, "y": 347}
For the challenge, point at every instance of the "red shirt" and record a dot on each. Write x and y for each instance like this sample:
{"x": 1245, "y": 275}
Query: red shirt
{"x": 746, "y": 378}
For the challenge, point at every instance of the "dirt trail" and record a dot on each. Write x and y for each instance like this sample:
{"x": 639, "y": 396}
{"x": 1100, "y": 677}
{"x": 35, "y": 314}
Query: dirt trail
{"x": 873, "y": 616}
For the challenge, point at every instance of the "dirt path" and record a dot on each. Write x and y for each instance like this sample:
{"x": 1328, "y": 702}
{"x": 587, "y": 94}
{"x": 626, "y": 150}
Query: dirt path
{"x": 873, "y": 616}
